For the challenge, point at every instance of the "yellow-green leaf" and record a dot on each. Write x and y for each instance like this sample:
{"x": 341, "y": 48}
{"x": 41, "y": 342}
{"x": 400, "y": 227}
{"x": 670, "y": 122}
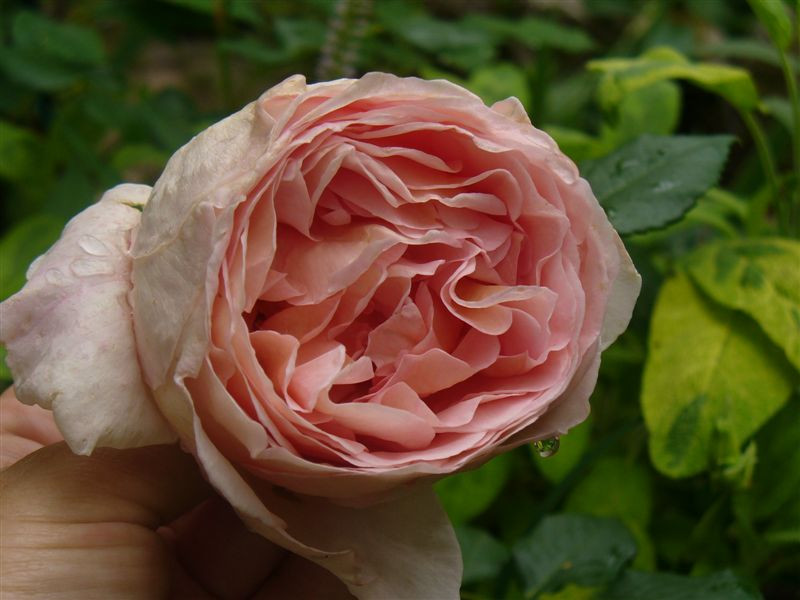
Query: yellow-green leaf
{"x": 624, "y": 75}
{"x": 711, "y": 379}
{"x": 760, "y": 277}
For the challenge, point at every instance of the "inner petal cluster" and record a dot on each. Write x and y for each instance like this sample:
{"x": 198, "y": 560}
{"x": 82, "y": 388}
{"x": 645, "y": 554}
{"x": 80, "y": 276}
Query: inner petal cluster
{"x": 400, "y": 292}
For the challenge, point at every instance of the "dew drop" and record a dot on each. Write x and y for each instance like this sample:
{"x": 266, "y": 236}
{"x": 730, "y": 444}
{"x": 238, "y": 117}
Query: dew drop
{"x": 91, "y": 245}
{"x": 86, "y": 267}
{"x": 55, "y": 277}
{"x": 546, "y": 448}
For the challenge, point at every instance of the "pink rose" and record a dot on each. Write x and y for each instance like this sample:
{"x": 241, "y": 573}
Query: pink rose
{"x": 342, "y": 289}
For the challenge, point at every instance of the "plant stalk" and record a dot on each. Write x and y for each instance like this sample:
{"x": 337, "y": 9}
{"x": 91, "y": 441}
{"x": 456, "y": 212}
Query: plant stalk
{"x": 768, "y": 164}
{"x": 794, "y": 98}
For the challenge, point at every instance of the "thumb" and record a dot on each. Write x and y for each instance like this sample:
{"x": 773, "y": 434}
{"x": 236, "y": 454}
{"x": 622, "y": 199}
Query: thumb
{"x": 85, "y": 526}
{"x": 143, "y": 486}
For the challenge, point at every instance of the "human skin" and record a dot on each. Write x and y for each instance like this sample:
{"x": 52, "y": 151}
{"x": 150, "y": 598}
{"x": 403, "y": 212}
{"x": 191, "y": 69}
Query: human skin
{"x": 127, "y": 524}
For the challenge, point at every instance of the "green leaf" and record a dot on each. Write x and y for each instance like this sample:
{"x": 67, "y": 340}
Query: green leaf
{"x": 20, "y": 151}
{"x": 466, "y": 495}
{"x": 775, "y": 18}
{"x": 573, "y": 549}
{"x": 629, "y": 499}
{"x": 37, "y": 72}
{"x": 710, "y": 381}
{"x": 568, "y": 99}
{"x": 572, "y": 592}
{"x": 436, "y": 35}
{"x": 654, "y": 180}
{"x": 37, "y": 35}
{"x": 784, "y": 529}
{"x": 570, "y": 450}
{"x": 457, "y": 44}
{"x": 719, "y": 208}
{"x": 498, "y": 82}
{"x": 747, "y": 49}
{"x": 20, "y": 245}
{"x": 760, "y": 277}
{"x": 776, "y": 481}
{"x": 536, "y": 33}
{"x": 650, "y": 109}
{"x": 624, "y": 75}
{"x": 482, "y": 554}
{"x": 47, "y": 55}
{"x": 724, "y": 585}
{"x": 781, "y": 110}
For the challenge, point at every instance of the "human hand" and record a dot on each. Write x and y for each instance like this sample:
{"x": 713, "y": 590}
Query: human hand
{"x": 127, "y": 524}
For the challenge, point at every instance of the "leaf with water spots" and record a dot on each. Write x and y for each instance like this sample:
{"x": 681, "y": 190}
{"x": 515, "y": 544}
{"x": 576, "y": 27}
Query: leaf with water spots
{"x": 760, "y": 277}
{"x": 654, "y": 180}
{"x": 711, "y": 379}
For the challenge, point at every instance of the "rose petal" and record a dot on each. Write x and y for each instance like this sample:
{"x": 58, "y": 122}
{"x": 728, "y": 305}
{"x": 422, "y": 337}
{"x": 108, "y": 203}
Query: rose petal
{"x": 69, "y": 333}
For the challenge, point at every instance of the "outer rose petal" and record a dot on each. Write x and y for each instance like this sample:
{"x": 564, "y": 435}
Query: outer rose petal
{"x": 513, "y": 109}
{"x": 69, "y": 333}
{"x": 621, "y": 300}
{"x": 185, "y": 230}
{"x": 571, "y": 408}
{"x": 376, "y": 550}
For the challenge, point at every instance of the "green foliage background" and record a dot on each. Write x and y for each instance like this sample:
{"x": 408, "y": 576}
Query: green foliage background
{"x": 683, "y": 114}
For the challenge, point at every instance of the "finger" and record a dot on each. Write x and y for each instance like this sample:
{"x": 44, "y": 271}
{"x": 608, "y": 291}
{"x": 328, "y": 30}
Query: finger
{"x": 147, "y": 486}
{"x": 23, "y": 429}
{"x": 216, "y": 549}
{"x": 84, "y": 527}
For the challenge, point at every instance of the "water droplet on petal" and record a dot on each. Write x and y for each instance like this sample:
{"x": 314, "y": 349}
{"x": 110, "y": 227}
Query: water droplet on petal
{"x": 55, "y": 277}
{"x": 91, "y": 245}
{"x": 86, "y": 267}
{"x": 546, "y": 448}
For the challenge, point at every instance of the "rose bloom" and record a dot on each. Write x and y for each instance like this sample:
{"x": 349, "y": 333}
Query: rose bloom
{"x": 332, "y": 298}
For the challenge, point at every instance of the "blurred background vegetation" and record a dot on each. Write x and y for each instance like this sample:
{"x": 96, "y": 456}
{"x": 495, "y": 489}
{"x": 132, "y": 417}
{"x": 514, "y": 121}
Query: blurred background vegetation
{"x": 97, "y": 92}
